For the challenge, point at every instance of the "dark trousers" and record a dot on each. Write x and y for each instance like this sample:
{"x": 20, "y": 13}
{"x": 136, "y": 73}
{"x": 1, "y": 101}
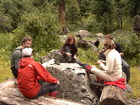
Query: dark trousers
{"x": 46, "y": 88}
{"x": 126, "y": 70}
{"x": 125, "y": 66}
{"x": 14, "y": 72}
{"x": 68, "y": 58}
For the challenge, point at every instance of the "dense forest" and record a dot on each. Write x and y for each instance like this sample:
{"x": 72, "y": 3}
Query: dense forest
{"x": 44, "y": 20}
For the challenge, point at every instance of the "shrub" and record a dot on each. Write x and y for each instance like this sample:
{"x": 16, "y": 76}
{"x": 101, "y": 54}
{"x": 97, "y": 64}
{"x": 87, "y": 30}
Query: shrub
{"x": 130, "y": 45}
{"x": 87, "y": 56}
{"x": 42, "y": 27}
{"x": 90, "y": 24}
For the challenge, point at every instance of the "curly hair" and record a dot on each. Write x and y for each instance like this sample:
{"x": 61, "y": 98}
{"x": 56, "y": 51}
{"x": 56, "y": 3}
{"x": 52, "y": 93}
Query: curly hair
{"x": 69, "y": 38}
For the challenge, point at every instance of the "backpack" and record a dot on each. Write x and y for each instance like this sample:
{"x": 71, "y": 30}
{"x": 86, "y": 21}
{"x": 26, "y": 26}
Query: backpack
{"x": 15, "y": 58}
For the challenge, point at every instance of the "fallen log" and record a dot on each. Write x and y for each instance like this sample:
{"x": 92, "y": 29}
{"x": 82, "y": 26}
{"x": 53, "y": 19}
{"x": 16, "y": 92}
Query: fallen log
{"x": 112, "y": 95}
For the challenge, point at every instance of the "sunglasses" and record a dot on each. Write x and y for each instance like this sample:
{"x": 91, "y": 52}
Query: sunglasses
{"x": 105, "y": 44}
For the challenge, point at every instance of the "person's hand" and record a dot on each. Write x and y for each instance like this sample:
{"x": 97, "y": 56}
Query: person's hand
{"x": 69, "y": 54}
{"x": 101, "y": 51}
{"x": 51, "y": 61}
{"x": 87, "y": 67}
{"x": 99, "y": 62}
{"x": 58, "y": 82}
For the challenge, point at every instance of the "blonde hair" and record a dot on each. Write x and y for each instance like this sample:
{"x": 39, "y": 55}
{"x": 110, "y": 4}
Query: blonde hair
{"x": 109, "y": 36}
{"x": 110, "y": 45}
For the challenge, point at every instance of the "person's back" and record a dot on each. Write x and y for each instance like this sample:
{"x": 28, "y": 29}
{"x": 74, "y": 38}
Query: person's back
{"x": 29, "y": 74}
{"x": 113, "y": 61}
{"x": 27, "y": 78}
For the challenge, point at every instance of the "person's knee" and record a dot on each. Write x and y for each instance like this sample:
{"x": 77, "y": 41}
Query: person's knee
{"x": 55, "y": 86}
{"x": 126, "y": 67}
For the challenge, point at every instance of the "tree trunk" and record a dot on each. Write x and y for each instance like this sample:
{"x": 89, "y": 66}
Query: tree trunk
{"x": 62, "y": 8}
{"x": 112, "y": 95}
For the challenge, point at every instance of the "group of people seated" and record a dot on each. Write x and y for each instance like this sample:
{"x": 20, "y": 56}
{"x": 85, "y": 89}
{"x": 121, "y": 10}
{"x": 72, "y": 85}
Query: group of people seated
{"x": 34, "y": 80}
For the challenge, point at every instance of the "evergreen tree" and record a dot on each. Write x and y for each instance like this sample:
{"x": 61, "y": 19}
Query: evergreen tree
{"x": 103, "y": 9}
{"x": 85, "y": 7}
{"x": 133, "y": 7}
{"x": 73, "y": 16}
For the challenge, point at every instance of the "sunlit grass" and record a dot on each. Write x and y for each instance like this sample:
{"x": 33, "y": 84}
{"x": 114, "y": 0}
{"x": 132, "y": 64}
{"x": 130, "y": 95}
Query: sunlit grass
{"x": 5, "y": 71}
{"x": 135, "y": 81}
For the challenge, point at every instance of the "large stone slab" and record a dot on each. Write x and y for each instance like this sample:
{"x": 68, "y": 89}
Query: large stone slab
{"x": 74, "y": 83}
{"x": 10, "y": 95}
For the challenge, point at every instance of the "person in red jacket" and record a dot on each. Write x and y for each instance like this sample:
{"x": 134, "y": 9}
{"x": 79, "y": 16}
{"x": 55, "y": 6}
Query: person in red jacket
{"x": 30, "y": 72}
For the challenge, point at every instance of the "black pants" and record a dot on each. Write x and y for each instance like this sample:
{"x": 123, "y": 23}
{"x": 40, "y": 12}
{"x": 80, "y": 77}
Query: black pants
{"x": 126, "y": 70}
{"x": 14, "y": 71}
{"x": 125, "y": 66}
{"x": 45, "y": 88}
{"x": 68, "y": 58}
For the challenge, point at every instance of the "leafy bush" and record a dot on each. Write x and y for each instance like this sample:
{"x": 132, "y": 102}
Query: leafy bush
{"x": 73, "y": 17}
{"x": 5, "y": 24}
{"x": 14, "y": 9}
{"x": 91, "y": 24}
{"x": 87, "y": 56}
{"x": 130, "y": 44}
{"x": 42, "y": 27}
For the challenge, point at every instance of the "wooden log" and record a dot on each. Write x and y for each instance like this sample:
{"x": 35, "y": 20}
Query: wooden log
{"x": 112, "y": 95}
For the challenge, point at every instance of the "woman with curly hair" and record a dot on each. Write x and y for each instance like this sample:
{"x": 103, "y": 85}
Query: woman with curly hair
{"x": 69, "y": 49}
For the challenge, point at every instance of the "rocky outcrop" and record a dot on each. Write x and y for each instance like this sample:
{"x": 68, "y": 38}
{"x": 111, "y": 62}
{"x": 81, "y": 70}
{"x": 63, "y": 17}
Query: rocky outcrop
{"x": 54, "y": 54}
{"x": 74, "y": 88}
{"x": 74, "y": 84}
{"x": 10, "y": 95}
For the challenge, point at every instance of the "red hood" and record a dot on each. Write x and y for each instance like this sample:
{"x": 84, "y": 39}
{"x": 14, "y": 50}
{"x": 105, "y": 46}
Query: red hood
{"x": 24, "y": 62}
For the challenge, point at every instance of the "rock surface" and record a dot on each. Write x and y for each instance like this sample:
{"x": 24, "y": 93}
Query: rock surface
{"x": 74, "y": 84}
{"x": 10, "y": 95}
{"x": 54, "y": 54}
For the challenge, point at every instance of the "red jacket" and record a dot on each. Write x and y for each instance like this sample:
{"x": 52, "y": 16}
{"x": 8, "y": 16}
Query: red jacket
{"x": 28, "y": 74}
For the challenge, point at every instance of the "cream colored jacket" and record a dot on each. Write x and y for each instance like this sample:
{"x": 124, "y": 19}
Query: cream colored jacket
{"x": 113, "y": 63}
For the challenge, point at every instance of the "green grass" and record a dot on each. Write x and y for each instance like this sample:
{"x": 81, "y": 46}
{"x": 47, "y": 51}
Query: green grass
{"x": 135, "y": 82}
{"x": 5, "y": 71}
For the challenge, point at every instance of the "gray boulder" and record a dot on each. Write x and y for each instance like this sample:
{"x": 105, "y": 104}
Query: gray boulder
{"x": 54, "y": 54}
{"x": 10, "y": 95}
{"x": 74, "y": 83}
